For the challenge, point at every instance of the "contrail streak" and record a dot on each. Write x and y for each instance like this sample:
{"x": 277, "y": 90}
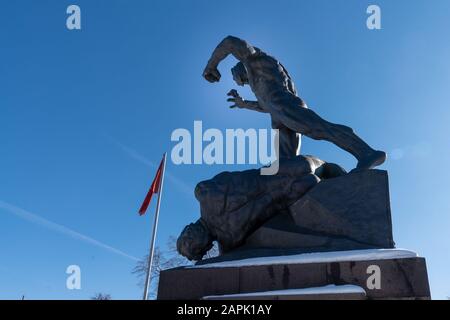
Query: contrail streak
{"x": 139, "y": 157}
{"x": 34, "y": 218}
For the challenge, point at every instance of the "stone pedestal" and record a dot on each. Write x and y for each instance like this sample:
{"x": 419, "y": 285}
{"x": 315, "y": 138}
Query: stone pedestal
{"x": 345, "y": 213}
{"x": 350, "y": 212}
{"x": 334, "y": 242}
{"x": 381, "y": 274}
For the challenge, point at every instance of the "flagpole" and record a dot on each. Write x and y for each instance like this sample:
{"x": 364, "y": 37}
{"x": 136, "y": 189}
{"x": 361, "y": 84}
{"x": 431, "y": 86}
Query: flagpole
{"x": 153, "y": 238}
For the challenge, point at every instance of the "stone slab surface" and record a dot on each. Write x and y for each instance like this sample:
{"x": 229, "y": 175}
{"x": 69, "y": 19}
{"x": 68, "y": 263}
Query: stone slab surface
{"x": 354, "y": 207}
{"x": 399, "y": 279}
{"x": 330, "y": 292}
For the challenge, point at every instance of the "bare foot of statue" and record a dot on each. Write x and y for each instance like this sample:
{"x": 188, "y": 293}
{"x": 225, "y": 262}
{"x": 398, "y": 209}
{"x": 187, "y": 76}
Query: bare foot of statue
{"x": 373, "y": 160}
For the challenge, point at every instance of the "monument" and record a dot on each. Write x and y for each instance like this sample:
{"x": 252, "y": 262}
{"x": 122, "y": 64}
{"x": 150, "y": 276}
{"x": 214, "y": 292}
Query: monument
{"x": 310, "y": 231}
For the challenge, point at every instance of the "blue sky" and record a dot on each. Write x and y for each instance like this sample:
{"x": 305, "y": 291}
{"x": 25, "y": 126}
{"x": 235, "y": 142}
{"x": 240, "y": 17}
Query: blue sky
{"x": 86, "y": 115}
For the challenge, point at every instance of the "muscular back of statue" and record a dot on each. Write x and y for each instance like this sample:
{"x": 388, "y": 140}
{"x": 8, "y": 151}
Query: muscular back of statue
{"x": 268, "y": 79}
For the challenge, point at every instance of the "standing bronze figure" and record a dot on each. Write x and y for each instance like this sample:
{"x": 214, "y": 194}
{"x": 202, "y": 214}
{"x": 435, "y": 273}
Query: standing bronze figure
{"x": 276, "y": 95}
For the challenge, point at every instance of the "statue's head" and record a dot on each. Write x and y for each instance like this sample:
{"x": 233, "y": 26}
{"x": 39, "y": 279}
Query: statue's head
{"x": 194, "y": 241}
{"x": 239, "y": 74}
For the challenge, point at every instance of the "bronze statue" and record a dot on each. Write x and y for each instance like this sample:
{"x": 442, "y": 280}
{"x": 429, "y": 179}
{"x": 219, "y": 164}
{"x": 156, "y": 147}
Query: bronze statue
{"x": 236, "y": 205}
{"x": 276, "y": 95}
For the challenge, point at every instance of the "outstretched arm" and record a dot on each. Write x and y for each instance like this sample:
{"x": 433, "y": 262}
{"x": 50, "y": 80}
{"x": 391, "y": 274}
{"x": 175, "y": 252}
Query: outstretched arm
{"x": 244, "y": 104}
{"x": 239, "y": 48}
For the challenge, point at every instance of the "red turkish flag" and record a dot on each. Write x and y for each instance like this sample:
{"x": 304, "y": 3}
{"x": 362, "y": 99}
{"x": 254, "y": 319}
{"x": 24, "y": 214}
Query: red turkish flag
{"x": 154, "y": 188}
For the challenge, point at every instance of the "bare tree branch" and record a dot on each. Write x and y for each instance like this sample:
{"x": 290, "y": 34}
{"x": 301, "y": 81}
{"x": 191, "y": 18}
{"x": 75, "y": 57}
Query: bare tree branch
{"x": 101, "y": 296}
{"x": 168, "y": 259}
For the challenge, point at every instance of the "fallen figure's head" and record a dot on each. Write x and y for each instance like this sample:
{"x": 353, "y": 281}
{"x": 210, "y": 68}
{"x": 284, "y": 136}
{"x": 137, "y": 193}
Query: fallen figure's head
{"x": 235, "y": 204}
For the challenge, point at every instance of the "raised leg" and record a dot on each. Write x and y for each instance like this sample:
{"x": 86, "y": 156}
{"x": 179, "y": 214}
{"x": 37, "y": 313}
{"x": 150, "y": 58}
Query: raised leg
{"x": 294, "y": 115}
